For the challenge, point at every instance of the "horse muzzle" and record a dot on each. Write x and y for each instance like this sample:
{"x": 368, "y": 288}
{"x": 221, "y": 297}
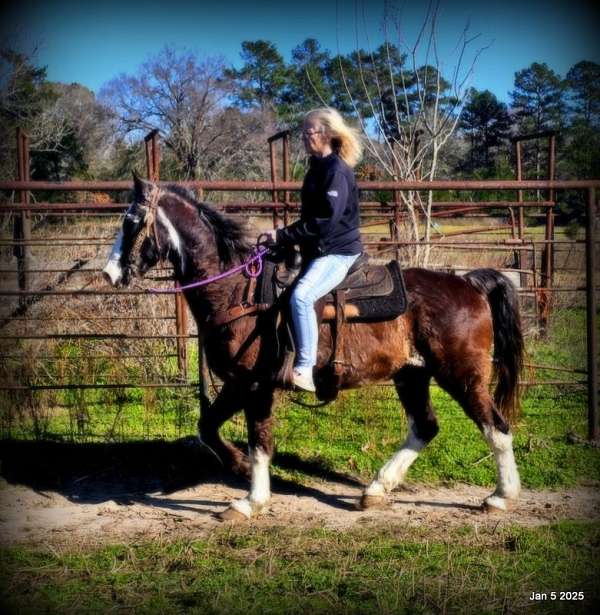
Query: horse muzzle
{"x": 113, "y": 272}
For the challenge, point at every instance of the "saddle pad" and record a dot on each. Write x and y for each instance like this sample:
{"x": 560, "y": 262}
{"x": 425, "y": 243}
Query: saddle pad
{"x": 379, "y": 295}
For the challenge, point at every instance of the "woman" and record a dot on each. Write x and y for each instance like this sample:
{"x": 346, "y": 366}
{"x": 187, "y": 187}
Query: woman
{"x": 328, "y": 228}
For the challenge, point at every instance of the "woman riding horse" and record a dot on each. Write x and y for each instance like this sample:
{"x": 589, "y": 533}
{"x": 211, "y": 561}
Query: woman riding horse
{"x": 451, "y": 322}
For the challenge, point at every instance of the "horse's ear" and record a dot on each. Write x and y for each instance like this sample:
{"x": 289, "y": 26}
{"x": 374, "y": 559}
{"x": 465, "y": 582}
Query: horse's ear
{"x": 141, "y": 188}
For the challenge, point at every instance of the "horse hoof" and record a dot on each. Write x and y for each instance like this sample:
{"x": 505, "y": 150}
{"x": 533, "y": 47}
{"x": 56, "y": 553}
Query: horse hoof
{"x": 230, "y": 514}
{"x": 372, "y": 501}
{"x": 497, "y": 505}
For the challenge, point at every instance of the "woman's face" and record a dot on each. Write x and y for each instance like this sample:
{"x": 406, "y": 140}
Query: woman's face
{"x": 316, "y": 141}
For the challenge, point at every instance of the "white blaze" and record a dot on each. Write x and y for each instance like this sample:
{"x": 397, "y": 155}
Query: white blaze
{"x": 113, "y": 268}
{"x": 174, "y": 239}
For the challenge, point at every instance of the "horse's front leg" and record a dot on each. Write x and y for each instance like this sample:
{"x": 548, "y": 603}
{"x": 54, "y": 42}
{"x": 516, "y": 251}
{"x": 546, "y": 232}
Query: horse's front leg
{"x": 260, "y": 445}
{"x": 230, "y": 400}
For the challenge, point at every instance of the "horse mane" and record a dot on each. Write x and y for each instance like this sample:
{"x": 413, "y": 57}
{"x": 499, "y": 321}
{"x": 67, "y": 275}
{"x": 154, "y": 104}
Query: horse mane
{"x": 230, "y": 235}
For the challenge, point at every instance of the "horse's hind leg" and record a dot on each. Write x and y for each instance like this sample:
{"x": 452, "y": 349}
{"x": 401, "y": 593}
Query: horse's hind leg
{"x": 509, "y": 484}
{"x": 477, "y": 402}
{"x": 229, "y": 401}
{"x": 412, "y": 384}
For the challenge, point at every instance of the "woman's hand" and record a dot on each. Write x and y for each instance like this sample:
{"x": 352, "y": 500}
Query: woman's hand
{"x": 268, "y": 238}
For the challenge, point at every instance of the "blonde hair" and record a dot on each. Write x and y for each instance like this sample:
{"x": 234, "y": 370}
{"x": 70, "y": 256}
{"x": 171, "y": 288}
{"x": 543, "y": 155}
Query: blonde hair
{"x": 345, "y": 140}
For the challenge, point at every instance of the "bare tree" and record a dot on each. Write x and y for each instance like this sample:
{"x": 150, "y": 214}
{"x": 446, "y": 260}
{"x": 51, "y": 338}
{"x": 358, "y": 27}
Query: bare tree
{"x": 91, "y": 123}
{"x": 187, "y": 100}
{"x": 179, "y": 95}
{"x": 408, "y": 111}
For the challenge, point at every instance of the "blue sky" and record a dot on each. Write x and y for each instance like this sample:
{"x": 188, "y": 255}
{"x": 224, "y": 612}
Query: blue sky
{"x": 91, "y": 42}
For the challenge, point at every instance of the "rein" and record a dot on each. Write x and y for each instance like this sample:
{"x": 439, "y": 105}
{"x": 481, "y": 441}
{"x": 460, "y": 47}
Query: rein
{"x": 252, "y": 267}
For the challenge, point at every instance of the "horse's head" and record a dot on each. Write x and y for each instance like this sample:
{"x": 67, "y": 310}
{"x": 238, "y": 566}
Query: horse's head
{"x": 145, "y": 238}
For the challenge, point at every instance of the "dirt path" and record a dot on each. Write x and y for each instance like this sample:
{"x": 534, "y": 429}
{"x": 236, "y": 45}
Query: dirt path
{"x": 105, "y": 514}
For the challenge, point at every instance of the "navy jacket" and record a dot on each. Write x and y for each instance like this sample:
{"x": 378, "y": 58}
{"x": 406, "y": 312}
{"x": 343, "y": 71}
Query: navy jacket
{"x": 329, "y": 216}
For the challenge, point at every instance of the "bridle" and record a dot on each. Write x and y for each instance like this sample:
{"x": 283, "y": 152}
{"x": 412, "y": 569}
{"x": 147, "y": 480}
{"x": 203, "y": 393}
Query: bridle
{"x": 149, "y": 228}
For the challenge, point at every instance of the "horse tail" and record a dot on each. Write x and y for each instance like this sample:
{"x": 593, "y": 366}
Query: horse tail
{"x": 508, "y": 336}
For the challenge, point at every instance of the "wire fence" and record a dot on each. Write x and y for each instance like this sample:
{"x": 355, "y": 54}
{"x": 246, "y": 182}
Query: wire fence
{"x": 63, "y": 330}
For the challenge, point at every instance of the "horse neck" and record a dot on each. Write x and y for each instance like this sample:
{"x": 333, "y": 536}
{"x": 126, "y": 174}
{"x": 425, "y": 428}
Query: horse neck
{"x": 199, "y": 254}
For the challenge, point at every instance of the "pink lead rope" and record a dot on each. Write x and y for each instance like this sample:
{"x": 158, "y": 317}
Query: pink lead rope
{"x": 253, "y": 267}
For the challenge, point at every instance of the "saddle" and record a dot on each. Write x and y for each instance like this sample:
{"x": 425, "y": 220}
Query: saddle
{"x": 369, "y": 293}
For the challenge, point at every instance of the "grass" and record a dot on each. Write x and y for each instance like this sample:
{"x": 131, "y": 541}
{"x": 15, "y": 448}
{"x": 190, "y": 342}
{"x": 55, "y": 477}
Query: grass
{"x": 375, "y": 569}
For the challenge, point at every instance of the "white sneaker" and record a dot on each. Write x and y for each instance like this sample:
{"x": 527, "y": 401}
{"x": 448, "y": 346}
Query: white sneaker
{"x": 303, "y": 380}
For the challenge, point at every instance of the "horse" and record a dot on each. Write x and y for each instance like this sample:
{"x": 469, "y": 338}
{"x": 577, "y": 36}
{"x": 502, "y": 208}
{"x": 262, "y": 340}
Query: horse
{"x": 451, "y": 322}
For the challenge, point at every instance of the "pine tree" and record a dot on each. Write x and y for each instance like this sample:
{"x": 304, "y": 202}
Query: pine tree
{"x": 538, "y": 98}
{"x": 485, "y": 119}
{"x": 263, "y": 78}
{"x": 583, "y": 86}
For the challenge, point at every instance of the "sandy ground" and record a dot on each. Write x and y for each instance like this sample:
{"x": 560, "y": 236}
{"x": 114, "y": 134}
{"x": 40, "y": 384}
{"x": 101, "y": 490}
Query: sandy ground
{"x": 101, "y": 513}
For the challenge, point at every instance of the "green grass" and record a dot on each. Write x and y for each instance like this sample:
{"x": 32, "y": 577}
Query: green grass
{"x": 374, "y": 569}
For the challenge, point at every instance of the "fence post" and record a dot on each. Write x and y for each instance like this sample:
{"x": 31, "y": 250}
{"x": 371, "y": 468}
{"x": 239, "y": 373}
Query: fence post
{"x": 152, "y": 156}
{"x": 203, "y": 374}
{"x": 22, "y": 221}
{"x": 396, "y": 225}
{"x": 276, "y": 219}
{"x": 521, "y": 210}
{"x": 286, "y": 176}
{"x": 151, "y": 141}
{"x": 181, "y": 326}
{"x": 548, "y": 253}
{"x": 592, "y": 331}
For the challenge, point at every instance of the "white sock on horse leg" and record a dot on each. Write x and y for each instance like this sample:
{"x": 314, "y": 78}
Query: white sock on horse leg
{"x": 394, "y": 471}
{"x": 509, "y": 484}
{"x": 260, "y": 484}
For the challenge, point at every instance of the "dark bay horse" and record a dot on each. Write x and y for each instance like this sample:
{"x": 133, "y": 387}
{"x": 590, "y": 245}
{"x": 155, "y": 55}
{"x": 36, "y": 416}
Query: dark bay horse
{"x": 451, "y": 322}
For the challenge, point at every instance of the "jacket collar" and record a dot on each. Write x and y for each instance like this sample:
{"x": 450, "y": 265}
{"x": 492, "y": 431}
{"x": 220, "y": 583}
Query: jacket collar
{"x": 316, "y": 162}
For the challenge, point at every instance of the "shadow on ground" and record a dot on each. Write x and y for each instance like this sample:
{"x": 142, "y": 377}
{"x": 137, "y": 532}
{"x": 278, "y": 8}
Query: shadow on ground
{"x": 129, "y": 471}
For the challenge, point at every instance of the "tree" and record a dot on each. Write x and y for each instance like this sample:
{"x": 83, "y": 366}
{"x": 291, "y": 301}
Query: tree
{"x": 22, "y": 94}
{"x": 262, "y": 79}
{"x": 538, "y": 102}
{"x": 87, "y": 139}
{"x": 485, "y": 119}
{"x": 538, "y": 98}
{"x": 415, "y": 110}
{"x": 308, "y": 82}
{"x": 60, "y": 130}
{"x": 372, "y": 81}
{"x": 581, "y": 150}
{"x": 180, "y": 96}
{"x": 583, "y": 83}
